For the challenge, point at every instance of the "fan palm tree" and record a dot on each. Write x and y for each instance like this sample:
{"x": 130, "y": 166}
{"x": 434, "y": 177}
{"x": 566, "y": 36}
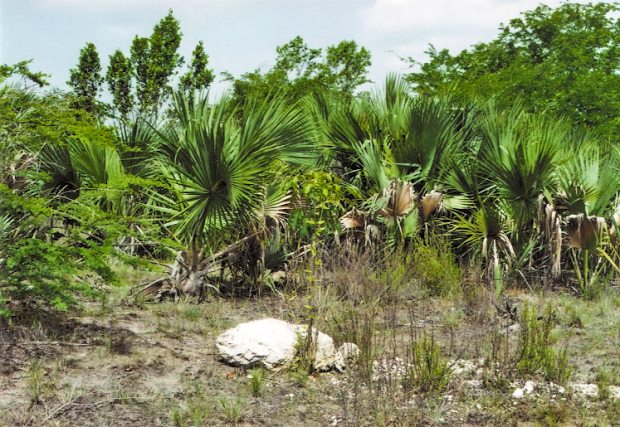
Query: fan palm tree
{"x": 519, "y": 155}
{"x": 588, "y": 186}
{"x": 217, "y": 159}
{"x": 398, "y": 146}
{"x": 486, "y": 234}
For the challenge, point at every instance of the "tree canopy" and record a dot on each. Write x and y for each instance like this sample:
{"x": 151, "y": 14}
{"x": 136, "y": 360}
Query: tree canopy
{"x": 564, "y": 60}
{"x": 300, "y": 70}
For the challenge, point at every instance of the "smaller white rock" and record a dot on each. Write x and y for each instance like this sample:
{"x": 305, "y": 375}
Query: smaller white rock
{"x": 518, "y": 393}
{"x": 529, "y": 387}
{"x": 346, "y": 354}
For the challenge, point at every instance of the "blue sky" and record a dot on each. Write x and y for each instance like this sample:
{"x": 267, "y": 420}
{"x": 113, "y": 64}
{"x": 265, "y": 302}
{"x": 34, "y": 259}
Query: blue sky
{"x": 241, "y": 35}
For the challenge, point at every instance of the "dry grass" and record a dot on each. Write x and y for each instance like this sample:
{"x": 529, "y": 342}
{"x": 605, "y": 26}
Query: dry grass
{"x": 124, "y": 363}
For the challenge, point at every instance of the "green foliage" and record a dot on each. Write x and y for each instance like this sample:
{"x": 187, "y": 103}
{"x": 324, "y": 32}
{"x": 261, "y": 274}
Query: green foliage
{"x": 535, "y": 348}
{"x": 118, "y": 77}
{"x": 22, "y": 69}
{"x": 196, "y": 412}
{"x": 323, "y": 199}
{"x": 217, "y": 165}
{"x": 232, "y": 409}
{"x": 86, "y": 79}
{"x": 435, "y": 267}
{"x": 603, "y": 383}
{"x": 155, "y": 60}
{"x": 300, "y": 70}
{"x": 257, "y": 379}
{"x": 199, "y": 76}
{"x": 345, "y": 66}
{"x": 563, "y": 60}
{"x": 32, "y": 269}
{"x": 429, "y": 372}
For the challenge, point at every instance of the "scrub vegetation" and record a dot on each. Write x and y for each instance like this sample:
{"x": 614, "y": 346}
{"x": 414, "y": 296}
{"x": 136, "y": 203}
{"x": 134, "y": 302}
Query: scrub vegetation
{"x": 459, "y": 224}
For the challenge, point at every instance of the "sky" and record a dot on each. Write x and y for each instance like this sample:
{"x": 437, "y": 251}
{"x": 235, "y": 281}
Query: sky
{"x": 241, "y": 35}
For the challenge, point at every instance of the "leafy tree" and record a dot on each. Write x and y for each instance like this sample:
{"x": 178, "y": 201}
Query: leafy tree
{"x": 300, "y": 70}
{"x": 346, "y": 66}
{"x": 140, "y": 54}
{"x": 22, "y": 69}
{"x": 298, "y": 60}
{"x": 199, "y": 75}
{"x": 155, "y": 61}
{"x": 564, "y": 60}
{"x": 118, "y": 78}
{"x": 86, "y": 79}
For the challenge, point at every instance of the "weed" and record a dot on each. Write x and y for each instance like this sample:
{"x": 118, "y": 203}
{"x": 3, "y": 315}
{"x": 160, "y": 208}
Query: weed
{"x": 603, "y": 382}
{"x": 35, "y": 381}
{"x": 196, "y": 411}
{"x": 299, "y": 376}
{"x": 257, "y": 377}
{"x": 120, "y": 395}
{"x": 428, "y": 371}
{"x": 477, "y": 297}
{"x": 232, "y": 409}
{"x": 535, "y": 351}
{"x": 572, "y": 317}
{"x": 552, "y": 414}
{"x": 191, "y": 312}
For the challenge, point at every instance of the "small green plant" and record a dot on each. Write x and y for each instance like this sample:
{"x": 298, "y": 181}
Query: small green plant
{"x": 35, "y": 381}
{"x": 572, "y": 317}
{"x": 603, "y": 382}
{"x": 120, "y": 395}
{"x": 535, "y": 349}
{"x": 299, "y": 370}
{"x": 232, "y": 409}
{"x": 191, "y": 312}
{"x": 299, "y": 376}
{"x": 429, "y": 371}
{"x": 305, "y": 349}
{"x": 257, "y": 377}
{"x": 196, "y": 411}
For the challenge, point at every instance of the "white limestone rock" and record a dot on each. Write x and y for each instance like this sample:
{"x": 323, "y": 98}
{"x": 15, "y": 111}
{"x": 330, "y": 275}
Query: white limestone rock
{"x": 273, "y": 343}
{"x": 266, "y": 342}
{"x": 346, "y": 355}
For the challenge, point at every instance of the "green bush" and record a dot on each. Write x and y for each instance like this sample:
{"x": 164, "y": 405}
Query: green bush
{"x": 436, "y": 269}
{"x": 31, "y": 269}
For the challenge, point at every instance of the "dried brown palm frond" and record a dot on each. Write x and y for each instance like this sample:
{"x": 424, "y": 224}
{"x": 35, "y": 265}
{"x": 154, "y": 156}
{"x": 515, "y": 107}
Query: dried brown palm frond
{"x": 584, "y": 232}
{"x": 430, "y": 203}
{"x": 275, "y": 208}
{"x": 353, "y": 219}
{"x": 399, "y": 199}
{"x": 553, "y": 233}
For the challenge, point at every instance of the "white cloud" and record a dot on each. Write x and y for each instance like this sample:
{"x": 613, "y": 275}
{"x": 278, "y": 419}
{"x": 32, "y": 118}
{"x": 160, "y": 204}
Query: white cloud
{"x": 405, "y": 28}
{"x": 395, "y": 16}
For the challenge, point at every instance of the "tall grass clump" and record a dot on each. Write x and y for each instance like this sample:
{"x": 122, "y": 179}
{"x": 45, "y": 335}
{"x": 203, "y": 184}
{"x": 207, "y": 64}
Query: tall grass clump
{"x": 428, "y": 371}
{"x": 535, "y": 348}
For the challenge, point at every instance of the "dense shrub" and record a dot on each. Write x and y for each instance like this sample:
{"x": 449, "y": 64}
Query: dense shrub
{"x": 435, "y": 268}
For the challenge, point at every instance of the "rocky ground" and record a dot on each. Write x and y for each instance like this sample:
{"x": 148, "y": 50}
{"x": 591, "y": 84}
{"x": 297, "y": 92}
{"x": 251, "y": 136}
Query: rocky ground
{"x": 126, "y": 362}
